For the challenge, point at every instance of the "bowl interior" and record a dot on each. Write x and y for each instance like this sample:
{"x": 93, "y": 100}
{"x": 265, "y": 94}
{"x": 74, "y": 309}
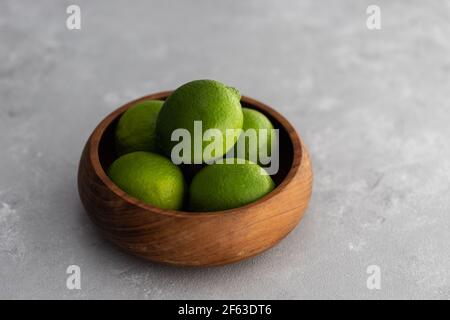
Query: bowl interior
{"x": 107, "y": 154}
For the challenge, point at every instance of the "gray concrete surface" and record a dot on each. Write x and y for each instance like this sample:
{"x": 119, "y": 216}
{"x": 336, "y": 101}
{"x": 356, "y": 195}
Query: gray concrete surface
{"x": 372, "y": 106}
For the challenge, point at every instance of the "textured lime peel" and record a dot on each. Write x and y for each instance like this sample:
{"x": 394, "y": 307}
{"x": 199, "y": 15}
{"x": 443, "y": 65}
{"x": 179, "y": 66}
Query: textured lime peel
{"x": 209, "y": 102}
{"x": 136, "y": 128}
{"x": 226, "y": 186}
{"x": 150, "y": 178}
{"x": 255, "y": 142}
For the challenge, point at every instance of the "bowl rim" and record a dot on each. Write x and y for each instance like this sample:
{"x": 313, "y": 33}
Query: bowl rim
{"x": 97, "y": 135}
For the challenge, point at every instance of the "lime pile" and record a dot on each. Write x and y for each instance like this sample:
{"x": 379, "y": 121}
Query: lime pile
{"x": 200, "y": 122}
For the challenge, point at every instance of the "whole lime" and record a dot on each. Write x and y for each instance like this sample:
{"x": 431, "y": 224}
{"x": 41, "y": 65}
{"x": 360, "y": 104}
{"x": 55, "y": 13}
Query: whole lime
{"x": 256, "y": 139}
{"x": 150, "y": 178}
{"x": 225, "y": 186}
{"x": 207, "y": 103}
{"x": 135, "y": 130}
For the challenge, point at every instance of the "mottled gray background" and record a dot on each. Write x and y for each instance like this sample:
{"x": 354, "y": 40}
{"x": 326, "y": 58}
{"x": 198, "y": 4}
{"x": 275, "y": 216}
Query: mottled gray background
{"x": 372, "y": 106}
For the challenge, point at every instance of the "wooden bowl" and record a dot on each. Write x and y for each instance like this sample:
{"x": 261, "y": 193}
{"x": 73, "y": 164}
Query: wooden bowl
{"x": 192, "y": 238}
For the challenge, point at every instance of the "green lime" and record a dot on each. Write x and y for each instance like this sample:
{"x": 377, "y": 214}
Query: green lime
{"x": 135, "y": 130}
{"x": 150, "y": 178}
{"x": 225, "y": 186}
{"x": 208, "y": 103}
{"x": 256, "y": 144}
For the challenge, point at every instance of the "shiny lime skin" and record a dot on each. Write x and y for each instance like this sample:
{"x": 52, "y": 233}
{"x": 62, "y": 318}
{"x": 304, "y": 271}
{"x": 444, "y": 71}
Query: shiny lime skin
{"x": 263, "y": 128}
{"x": 212, "y": 103}
{"x": 135, "y": 130}
{"x": 226, "y": 186}
{"x": 150, "y": 178}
